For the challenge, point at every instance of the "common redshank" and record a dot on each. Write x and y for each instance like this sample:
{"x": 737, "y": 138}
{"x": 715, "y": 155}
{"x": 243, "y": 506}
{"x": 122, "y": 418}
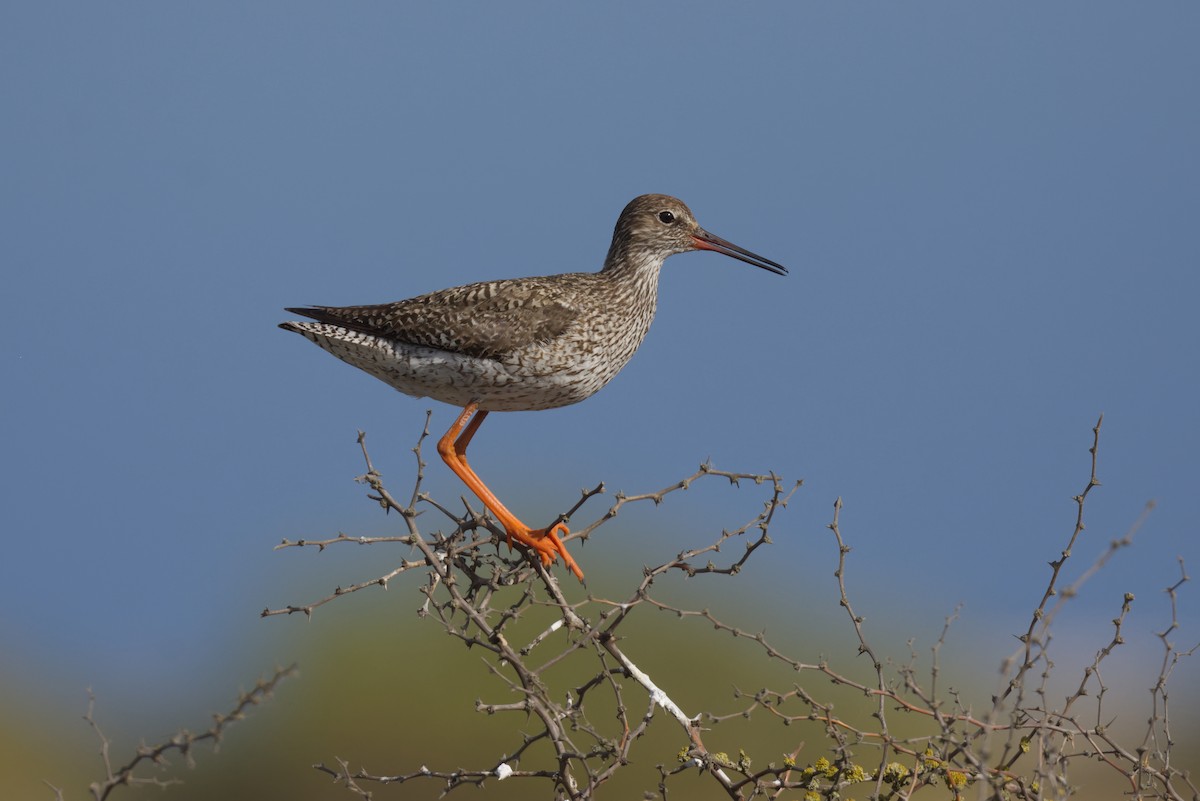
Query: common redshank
{"x": 521, "y": 344}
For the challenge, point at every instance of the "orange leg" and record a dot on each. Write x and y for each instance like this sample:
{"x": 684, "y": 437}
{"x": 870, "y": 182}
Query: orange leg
{"x": 453, "y": 449}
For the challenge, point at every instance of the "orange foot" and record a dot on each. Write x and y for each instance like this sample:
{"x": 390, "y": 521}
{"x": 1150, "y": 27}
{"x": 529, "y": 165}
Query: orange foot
{"x": 545, "y": 542}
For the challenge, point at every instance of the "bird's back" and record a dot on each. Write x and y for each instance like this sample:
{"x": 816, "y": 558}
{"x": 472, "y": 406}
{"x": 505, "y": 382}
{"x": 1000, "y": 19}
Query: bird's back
{"x": 509, "y": 345}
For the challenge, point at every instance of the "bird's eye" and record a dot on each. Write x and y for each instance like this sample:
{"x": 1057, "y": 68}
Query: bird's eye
{"x": 667, "y": 217}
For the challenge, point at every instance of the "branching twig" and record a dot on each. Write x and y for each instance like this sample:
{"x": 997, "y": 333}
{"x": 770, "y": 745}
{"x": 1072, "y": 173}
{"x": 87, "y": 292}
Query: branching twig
{"x": 513, "y": 610}
{"x": 182, "y": 741}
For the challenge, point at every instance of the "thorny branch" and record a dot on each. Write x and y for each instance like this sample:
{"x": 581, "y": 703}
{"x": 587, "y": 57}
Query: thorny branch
{"x": 181, "y": 742}
{"x": 1021, "y": 747}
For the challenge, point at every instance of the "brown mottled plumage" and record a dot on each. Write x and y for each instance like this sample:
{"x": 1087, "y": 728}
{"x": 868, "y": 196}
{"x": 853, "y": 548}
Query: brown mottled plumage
{"x": 521, "y": 344}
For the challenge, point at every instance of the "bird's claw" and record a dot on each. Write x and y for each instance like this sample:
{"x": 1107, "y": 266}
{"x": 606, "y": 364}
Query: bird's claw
{"x": 547, "y": 543}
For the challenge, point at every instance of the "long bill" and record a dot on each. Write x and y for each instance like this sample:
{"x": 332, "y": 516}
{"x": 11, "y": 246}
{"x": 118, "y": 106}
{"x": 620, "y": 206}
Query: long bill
{"x": 703, "y": 240}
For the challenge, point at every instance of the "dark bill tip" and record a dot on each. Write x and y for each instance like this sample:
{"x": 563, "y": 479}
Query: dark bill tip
{"x": 706, "y": 241}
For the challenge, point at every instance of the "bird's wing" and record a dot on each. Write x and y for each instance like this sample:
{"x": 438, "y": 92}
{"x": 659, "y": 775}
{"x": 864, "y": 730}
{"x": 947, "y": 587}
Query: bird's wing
{"x": 486, "y": 320}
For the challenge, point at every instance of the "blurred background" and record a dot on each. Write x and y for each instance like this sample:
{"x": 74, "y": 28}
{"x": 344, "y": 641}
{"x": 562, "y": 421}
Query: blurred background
{"x": 990, "y": 217}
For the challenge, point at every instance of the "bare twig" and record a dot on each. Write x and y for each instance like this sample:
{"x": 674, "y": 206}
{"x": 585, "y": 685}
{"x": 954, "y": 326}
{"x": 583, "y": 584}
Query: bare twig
{"x": 513, "y": 610}
{"x": 182, "y": 741}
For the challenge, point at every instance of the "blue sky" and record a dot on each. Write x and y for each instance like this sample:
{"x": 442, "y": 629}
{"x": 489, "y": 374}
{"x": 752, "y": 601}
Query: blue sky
{"x": 989, "y": 213}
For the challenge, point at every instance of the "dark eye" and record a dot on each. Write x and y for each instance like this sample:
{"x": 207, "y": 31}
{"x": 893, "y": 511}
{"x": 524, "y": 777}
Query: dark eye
{"x": 666, "y": 217}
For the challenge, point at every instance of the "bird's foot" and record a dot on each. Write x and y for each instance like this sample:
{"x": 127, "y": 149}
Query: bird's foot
{"x": 546, "y": 543}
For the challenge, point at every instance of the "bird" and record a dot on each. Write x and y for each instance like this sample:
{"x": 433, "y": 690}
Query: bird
{"x": 520, "y": 344}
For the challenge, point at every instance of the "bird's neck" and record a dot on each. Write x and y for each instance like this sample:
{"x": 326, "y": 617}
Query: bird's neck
{"x": 633, "y": 274}
{"x": 632, "y": 277}
{"x": 636, "y": 265}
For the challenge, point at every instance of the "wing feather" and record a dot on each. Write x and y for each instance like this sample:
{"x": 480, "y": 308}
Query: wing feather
{"x": 487, "y": 320}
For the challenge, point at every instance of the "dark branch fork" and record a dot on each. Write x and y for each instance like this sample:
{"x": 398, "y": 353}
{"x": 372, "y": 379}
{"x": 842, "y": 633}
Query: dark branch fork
{"x": 477, "y": 594}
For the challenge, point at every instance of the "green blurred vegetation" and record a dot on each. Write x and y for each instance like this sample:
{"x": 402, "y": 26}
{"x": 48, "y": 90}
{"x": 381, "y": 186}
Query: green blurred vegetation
{"x": 391, "y": 692}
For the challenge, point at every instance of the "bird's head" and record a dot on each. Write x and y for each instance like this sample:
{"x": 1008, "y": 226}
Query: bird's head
{"x": 658, "y": 226}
